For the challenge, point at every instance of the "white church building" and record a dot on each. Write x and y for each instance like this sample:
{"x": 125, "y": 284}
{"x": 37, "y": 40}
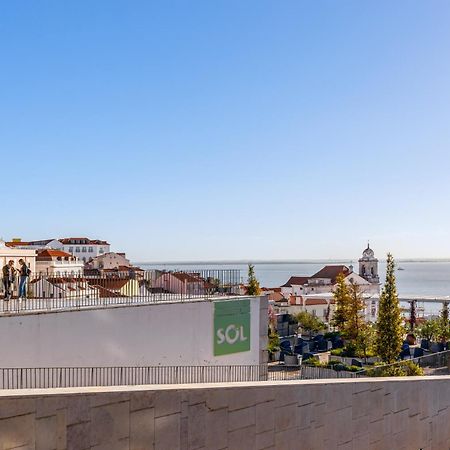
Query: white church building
{"x": 315, "y": 293}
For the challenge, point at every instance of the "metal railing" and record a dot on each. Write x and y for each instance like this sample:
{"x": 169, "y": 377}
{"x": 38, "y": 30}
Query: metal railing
{"x": 73, "y": 291}
{"x": 431, "y": 364}
{"x": 305, "y": 372}
{"x": 63, "y": 377}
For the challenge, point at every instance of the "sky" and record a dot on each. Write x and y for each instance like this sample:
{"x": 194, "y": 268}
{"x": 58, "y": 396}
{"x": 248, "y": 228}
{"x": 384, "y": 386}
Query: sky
{"x": 199, "y": 130}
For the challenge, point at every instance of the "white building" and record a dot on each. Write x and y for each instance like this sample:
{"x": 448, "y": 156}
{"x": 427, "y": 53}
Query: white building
{"x": 69, "y": 288}
{"x": 83, "y": 248}
{"x": 59, "y": 263}
{"x": 110, "y": 260}
{"x": 315, "y": 293}
{"x": 325, "y": 281}
{"x": 323, "y": 305}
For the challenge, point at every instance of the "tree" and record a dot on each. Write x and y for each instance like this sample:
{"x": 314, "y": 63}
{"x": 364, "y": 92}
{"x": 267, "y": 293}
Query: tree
{"x": 309, "y": 323}
{"x": 253, "y": 284}
{"x": 444, "y": 324}
{"x": 342, "y": 299}
{"x": 365, "y": 340}
{"x": 355, "y": 313}
{"x": 429, "y": 330}
{"x": 390, "y": 334}
{"x": 349, "y": 315}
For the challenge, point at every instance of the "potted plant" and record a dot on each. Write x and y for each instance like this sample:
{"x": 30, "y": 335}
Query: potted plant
{"x": 274, "y": 346}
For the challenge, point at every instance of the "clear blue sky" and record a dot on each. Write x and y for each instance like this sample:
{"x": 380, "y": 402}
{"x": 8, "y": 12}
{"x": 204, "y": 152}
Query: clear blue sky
{"x": 193, "y": 130}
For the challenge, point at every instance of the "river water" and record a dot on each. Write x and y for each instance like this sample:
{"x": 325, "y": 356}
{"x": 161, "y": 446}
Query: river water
{"x": 424, "y": 278}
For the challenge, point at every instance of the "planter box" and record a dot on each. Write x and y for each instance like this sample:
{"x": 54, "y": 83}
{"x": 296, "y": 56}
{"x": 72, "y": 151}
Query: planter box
{"x": 291, "y": 360}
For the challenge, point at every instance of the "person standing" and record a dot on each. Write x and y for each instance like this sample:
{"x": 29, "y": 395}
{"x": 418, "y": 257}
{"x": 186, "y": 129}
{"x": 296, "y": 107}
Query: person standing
{"x": 24, "y": 273}
{"x": 9, "y": 274}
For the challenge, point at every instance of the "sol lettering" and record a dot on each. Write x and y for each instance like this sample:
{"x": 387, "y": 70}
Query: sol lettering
{"x": 231, "y": 334}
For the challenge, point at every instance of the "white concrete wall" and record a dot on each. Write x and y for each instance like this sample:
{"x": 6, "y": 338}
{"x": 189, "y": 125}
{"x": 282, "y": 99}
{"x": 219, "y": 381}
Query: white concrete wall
{"x": 159, "y": 334}
{"x": 408, "y": 413}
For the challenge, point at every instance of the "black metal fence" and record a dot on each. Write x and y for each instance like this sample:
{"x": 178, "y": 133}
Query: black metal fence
{"x": 63, "y": 377}
{"x": 70, "y": 291}
{"x": 305, "y": 372}
{"x": 431, "y": 364}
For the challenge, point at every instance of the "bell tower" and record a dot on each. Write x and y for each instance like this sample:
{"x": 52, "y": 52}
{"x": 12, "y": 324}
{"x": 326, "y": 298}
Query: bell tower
{"x": 368, "y": 266}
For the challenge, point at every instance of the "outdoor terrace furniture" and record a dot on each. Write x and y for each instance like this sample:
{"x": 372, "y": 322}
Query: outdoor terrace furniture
{"x": 338, "y": 343}
{"x": 298, "y": 349}
{"x": 318, "y": 338}
{"x": 285, "y": 349}
{"x": 322, "y": 346}
{"x": 356, "y": 362}
{"x": 313, "y": 345}
{"x": 418, "y": 352}
{"x": 301, "y": 348}
{"x": 425, "y": 344}
{"x": 437, "y": 347}
{"x": 307, "y": 356}
{"x": 406, "y": 352}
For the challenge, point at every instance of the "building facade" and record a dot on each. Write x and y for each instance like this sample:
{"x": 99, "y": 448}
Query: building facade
{"x": 83, "y": 248}
{"x": 110, "y": 260}
{"x": 59, "y": 263}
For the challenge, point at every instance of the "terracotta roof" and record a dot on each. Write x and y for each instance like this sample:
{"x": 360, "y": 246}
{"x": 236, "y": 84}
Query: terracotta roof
{"x": 332, "y": 272}
{"x": 105, "y": 293}
{"x": 276, "y": 297}
{"x": 42, "y": 254}
{"x": 274, "y": 289}
{"x": 123, "y": 269}
{"x": 113, "y": 284}
{"x": 297, "y": 281}
{"x": 82, "y": 241}
{"x": 59, "y": 280}
{"x": 16, "y": 244}
{"x": 317, "y": 301}
{"x": 187, "y": 277}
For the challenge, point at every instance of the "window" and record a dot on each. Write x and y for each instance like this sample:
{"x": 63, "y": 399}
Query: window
{"x": 101, "y": 250}
{"x": 77, "y": 250}
{"x": 84, "y": 250}
{"x": 91, "y": 249}
{"x": 70, "y": 249}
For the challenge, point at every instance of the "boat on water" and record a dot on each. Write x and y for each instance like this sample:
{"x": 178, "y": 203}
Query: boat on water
{"x": 400, "y": 268}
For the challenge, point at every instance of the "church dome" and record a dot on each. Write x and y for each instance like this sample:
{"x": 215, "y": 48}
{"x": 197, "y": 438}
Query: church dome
{"x": 368, "y": 252}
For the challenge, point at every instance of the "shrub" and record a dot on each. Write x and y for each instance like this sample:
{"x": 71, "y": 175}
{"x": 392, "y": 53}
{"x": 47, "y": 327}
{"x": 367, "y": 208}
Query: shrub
{"x": 338, "y": 351}
{"x": 274, "y": 342}
{"x": 403, "y": 369}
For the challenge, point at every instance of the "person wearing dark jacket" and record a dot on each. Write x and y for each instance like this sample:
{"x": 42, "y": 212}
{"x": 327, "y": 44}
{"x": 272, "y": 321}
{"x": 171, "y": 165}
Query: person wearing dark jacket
{"x": 9, "y": 275}
{"x": 24, "y": 273}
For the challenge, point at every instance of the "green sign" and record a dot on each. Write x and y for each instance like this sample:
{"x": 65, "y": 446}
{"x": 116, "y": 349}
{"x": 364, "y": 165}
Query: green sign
{"x": 231, "y": 327}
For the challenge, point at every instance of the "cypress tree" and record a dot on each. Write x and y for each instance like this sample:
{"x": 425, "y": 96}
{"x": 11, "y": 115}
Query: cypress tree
{"x": 355, "y": 312}
{"x": 342, "y": 299}
{"x": 389, "y": 325}
{"x": 253, "y": 284}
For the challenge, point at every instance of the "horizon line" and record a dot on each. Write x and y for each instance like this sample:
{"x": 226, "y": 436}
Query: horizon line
{"x": 284, "y": 261}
